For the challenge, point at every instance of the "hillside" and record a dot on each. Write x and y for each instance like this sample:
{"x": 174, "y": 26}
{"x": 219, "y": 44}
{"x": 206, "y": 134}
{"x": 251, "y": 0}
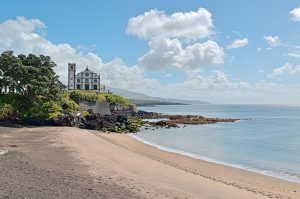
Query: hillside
{"x": 142, "y": 99}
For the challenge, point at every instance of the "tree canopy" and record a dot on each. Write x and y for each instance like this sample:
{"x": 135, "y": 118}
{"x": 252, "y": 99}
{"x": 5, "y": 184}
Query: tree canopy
{"x": 31, "y": 76}
{"x": 30, "y": 82}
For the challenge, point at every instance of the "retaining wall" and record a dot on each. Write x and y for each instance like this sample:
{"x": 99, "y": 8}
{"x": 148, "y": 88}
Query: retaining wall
{"x": 96, "y": 107}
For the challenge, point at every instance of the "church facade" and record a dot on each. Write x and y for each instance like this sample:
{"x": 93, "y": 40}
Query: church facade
{"x": 85, "y": 80}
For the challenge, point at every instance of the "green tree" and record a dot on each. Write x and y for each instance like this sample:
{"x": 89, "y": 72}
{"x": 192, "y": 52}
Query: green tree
{"x": 32, "y": 77}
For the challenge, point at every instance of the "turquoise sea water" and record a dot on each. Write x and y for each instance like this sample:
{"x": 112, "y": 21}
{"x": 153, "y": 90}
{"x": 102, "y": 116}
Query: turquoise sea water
{"x": 268, "y": 143}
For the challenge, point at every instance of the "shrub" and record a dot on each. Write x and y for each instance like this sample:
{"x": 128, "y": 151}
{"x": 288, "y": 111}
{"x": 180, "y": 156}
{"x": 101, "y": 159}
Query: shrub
{"x": 19, "y": 103}
{"x": 68, "y": 105}
{"x": 114, "y": 99}
{"x": 85, "y": 114}
{"x": 81, "y": 95}
{"x": 6, "y": 112}
{"x": 48, "y": 110}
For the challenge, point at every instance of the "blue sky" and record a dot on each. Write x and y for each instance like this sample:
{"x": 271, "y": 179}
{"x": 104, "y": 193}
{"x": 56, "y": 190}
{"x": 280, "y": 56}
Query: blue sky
{"x": 263, "y": 67}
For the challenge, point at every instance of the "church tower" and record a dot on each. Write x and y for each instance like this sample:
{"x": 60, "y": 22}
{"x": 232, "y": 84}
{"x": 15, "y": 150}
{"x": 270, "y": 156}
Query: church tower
{"x": 71, "y": 76}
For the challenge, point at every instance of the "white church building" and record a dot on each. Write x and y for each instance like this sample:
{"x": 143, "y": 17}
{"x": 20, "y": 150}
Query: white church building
{"x": 85, "y": 80}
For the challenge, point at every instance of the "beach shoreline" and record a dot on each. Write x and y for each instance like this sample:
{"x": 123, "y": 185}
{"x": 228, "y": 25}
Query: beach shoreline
{"x": 203, "y": 158}
{"x": 144, "y": 171}
{"x": 239, "y": 178}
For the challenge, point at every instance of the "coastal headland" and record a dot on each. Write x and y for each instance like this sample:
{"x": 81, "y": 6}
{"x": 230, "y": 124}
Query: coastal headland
{"x": 68, "y": 162}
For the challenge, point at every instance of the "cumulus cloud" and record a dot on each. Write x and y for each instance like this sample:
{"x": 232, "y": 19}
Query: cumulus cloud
{"x": 25, "y": 36}
{"x": 21, "y": 35}
{"x": 170, "y": 52}
{"x": 238, "y": 43}
{"x": 187, "y": 25}
{"x": 295, "y": 14}
{"x": 285, "y": 69}
{"x": 272, "y": 40}
{"x": 166, "y": 34}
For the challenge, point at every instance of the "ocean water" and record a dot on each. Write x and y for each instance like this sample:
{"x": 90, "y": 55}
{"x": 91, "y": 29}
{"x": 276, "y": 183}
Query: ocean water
{"x": 267, "y": 143}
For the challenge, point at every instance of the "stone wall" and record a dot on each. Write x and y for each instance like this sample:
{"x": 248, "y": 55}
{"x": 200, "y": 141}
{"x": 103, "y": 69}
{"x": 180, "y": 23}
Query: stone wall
{"x": 123, "y": 109}
{"x": 96, "y": 107}
{"x": 104, "y": 108}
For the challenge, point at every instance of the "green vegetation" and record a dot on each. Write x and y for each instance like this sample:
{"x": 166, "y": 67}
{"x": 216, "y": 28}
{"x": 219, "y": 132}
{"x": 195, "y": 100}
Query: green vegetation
{"x": 85, "y": 114}
{"x": 6, "y": 111}
{"x": 48, "y": 110}
{"x": 18, "y": 104}
{"x": 68, "y": 105}
{"x": 134, "y": 124}
{"x": 82, "y": 95}
{"x": 130, "y": 127}
{"x": 32, "y": 89}
{"x": 113, "y": 99}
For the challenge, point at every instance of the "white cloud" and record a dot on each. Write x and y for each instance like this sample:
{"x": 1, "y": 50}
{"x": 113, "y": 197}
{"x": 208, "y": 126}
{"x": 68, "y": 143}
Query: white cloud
{"x": 285, "y": 69}
{"x": 295, "y": 14}
{"x": 21, "y": 36}
{"x": 238, "y": 43}
{"x": 219, "y": 88}
{"x": 25, "y": 36}
{"x": 166, "y": 34}
{"x": 295, "y": 54}
{"x": 169, "y": 52}
{"x": 186, "y": 25}
{"x": 86, "y": 48}
{"x": 272, "y": 40}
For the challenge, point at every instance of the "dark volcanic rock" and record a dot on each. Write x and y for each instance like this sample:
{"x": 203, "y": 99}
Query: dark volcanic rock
{"x": 147, "y": 115}
{"x": 174, "y": 120}
{"x": 65, "y": 120}
{"x": 118, "y": 123}
{"x": 166, "y": 124}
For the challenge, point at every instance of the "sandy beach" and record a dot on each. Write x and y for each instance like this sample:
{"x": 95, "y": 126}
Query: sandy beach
{"x": 63, "y": 162}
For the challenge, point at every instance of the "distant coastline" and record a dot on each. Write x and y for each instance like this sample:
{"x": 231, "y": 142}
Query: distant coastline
{"x": 141, "y": 102}
{"x": 145, "y": 100}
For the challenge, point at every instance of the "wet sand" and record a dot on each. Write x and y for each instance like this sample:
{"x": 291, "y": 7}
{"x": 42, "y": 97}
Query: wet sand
{"x": 63, "y": 162}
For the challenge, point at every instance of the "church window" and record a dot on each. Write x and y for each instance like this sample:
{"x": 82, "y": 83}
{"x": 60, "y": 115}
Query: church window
{"x": 95, "y": 81}
{"x": 86, "y": 80}
{"x": 78, "y": 80}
